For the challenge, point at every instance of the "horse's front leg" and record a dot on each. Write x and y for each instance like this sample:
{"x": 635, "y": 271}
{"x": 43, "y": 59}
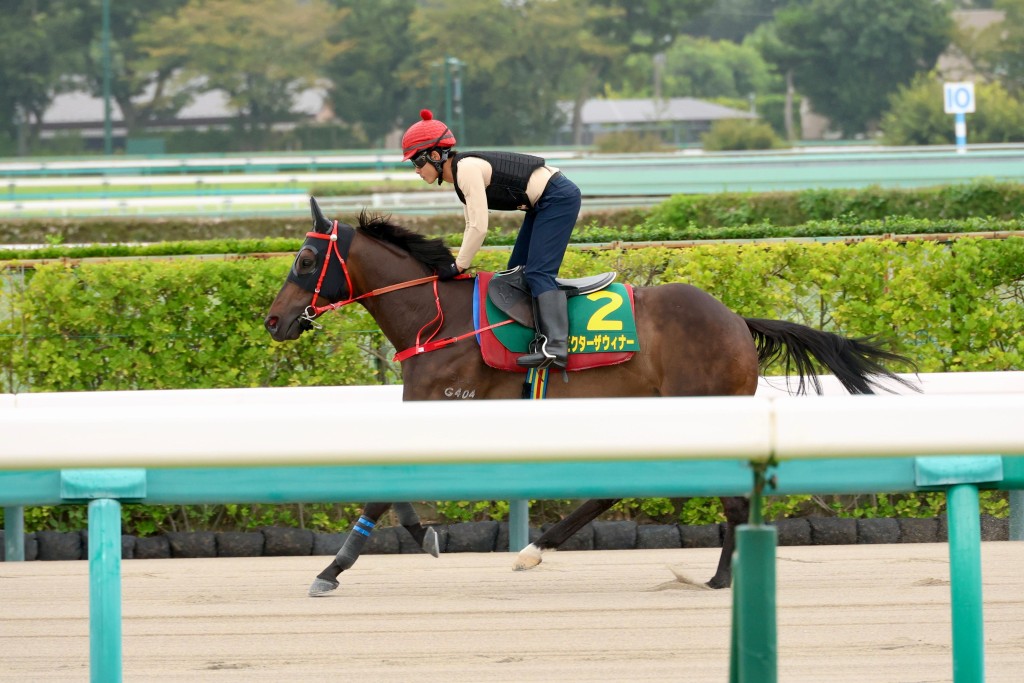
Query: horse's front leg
{"x": 327, "y": 580}
{"x": 530, "y": 556}
{"x": 737, "y": 510}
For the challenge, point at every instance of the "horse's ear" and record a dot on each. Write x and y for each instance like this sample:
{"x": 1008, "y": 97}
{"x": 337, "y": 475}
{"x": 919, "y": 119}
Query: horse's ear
{"x": 320, "y": 224}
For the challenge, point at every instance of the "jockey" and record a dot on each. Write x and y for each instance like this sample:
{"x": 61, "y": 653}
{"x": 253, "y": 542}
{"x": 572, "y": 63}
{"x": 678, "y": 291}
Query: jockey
{"x": 507, "y": 181}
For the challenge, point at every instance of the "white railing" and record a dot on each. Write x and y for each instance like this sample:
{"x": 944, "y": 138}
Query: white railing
{"x": 298, "y": 427}
{"x": 235, "y": 427}
{"x": 296, "y": 433}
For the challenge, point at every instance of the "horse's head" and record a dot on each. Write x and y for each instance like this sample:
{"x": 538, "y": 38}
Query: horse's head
{"x": 319, "y": 273}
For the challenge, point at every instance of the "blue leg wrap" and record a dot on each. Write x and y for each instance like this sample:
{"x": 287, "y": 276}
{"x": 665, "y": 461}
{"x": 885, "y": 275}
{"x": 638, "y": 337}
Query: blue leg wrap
{"x": 354, "y": 543}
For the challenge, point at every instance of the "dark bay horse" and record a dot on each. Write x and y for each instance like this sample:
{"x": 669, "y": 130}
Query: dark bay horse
{"x": 691, "y": 345}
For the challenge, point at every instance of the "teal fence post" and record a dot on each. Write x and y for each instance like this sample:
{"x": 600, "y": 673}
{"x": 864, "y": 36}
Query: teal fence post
{"x": 14, "y": 534}
{"x": 518, "y": 525}
{"x": 1017, "y": 515}
{"x": 753, "y": 656}
{"x": 756, "y": 633}
{"x": 965, "y": 583}
{"x": 105, "y": 591}
{"x": 960, "y": 477}
{"x": 734, "y": 638}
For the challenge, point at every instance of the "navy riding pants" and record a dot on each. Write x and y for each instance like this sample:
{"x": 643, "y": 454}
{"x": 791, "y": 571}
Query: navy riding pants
{"x": 544, "y": 234}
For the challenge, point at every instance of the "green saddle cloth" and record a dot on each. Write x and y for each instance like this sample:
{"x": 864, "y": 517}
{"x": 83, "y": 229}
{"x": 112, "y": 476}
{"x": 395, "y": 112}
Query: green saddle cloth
{"x": 600, "y": 322}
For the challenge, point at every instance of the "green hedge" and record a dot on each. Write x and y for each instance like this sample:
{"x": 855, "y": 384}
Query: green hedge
{"x": 586, "y": 234}
{"x": 678, "y": 217}
{"x": 134, "y": 230}
{"x": 846, "y": 227}
{"x": 978, "y": 199}
{"x": 169, "y": 325}
{"x": 195, "y": 323}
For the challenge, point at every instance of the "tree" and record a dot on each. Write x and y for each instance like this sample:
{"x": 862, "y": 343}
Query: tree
{"x": 916, "y": 115}
{"x": 997, "y": 51}
{"x": 31, "y": 69}
{"x": 699, "y": 67}
{"x": 520, "y": 61}
{"x": 140, "y": 83}
{"x": 367, "y": 89}
{"x": 523, "y": 56}
{"x": 262, "y": 53}
{"x": 854, "y": 53}
{"x": 786, "y": 59}
{"x": 621, "y": 26}
{"x": 733, "y": 19}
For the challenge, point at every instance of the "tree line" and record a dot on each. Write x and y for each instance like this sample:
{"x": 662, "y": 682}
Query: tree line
{"x": 514, "y": 60}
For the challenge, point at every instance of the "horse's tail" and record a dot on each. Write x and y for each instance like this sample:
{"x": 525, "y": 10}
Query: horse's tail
{"x": 856, "y": 363}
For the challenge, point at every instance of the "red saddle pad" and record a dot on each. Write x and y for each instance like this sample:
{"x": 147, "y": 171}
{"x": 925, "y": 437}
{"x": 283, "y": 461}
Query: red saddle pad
{"x": 497, "y": 356}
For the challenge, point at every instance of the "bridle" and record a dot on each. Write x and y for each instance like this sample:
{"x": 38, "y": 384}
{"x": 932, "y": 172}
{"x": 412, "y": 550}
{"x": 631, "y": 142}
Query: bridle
{"x": 312, "y": 311}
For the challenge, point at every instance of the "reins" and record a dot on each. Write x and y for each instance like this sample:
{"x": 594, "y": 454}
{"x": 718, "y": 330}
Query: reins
{"x": 313, "y": 311}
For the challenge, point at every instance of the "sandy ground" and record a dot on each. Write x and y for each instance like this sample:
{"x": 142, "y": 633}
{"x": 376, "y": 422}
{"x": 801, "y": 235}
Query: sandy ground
{"x": 846, "y": 613}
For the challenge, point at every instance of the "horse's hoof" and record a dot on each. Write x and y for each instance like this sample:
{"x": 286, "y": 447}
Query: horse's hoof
{"x": 431, "y": 544}
{"x": 717, "y": 583}
{"x": 321, "y": 587}
{"x": 528, "y": 558}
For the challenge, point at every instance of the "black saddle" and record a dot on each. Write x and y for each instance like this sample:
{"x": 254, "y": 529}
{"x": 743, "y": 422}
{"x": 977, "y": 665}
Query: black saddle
{"x": 510, "y": 293}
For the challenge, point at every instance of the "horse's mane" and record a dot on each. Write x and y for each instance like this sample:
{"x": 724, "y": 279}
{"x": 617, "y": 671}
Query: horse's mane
{"x": 429, "y": 251}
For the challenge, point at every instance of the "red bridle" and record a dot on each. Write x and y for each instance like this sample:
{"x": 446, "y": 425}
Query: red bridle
{"x": 313, "y": 311}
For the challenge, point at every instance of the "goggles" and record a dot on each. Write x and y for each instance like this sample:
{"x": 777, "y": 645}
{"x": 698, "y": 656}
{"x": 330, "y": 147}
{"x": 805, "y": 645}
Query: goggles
{"x": 421, "y": 159}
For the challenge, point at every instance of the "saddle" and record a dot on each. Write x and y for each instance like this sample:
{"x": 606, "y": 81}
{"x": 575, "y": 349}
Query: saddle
{"x": 511, "y": 295}
{"x": 602, "y": 326}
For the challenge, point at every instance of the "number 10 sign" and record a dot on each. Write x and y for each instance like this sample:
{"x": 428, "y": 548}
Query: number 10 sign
{"x": 959, "y": 98}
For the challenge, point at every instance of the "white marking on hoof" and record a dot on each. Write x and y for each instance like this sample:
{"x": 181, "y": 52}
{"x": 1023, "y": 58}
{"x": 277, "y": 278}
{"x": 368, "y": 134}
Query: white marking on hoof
{"x": 321, "y": 587}
{"x": 431, "y": 544}
{"x": 528, "y": 558}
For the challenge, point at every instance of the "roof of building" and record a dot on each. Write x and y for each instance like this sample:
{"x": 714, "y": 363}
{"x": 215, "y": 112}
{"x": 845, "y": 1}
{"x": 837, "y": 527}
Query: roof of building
{"x": 975, "y": 19}
{"x": 953, "y": 64}
{"x": 605, "y": 112}
{"x": 83, "y": 108}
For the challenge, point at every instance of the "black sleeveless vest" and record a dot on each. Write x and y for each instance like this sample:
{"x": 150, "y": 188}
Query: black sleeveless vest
{"x": 510, "y": 172}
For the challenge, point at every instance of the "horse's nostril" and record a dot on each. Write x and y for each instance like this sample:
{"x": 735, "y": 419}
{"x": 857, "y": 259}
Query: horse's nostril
{"x": 271, "y": 322}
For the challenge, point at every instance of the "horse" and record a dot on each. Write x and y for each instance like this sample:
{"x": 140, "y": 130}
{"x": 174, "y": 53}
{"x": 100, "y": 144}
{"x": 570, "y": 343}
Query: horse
{"x": 691, "y": 344}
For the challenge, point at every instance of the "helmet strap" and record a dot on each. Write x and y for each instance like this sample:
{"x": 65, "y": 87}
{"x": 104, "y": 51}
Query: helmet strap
{"x": 439, "y": 164}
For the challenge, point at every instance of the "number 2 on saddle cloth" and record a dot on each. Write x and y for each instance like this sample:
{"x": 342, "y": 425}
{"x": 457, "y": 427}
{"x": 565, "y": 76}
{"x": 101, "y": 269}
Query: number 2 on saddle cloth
{"x": 602, "y": 328}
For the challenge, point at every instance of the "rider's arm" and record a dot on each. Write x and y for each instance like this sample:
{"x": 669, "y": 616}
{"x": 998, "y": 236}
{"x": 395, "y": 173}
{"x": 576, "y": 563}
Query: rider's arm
{"x": 474, "y": 174}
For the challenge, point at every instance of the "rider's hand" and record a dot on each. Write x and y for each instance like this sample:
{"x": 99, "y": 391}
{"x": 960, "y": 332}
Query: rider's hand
{"x": 448, "y": 271}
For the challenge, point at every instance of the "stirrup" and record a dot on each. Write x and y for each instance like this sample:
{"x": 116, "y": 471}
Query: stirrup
{"x": 538, "y": 347}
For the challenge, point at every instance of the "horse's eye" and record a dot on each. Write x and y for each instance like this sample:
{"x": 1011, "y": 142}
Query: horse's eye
{"x": 305, "y": 262}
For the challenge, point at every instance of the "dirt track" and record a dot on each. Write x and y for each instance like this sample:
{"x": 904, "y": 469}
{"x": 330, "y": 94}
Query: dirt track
{"x": 846, "y": 613}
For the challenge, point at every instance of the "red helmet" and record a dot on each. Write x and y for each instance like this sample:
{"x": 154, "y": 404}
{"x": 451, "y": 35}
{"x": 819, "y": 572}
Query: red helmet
{"x": 425, "y": 134}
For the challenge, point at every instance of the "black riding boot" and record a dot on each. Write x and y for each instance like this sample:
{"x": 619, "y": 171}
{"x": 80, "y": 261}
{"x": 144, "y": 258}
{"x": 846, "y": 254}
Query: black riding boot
{"x": 551, "y": 345}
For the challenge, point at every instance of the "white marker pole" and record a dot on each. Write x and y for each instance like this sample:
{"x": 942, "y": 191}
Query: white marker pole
{"x": 958, "y": 99}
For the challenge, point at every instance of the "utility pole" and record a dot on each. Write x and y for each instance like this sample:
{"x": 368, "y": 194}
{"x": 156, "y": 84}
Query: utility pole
{"x": 108, "y": 143}
{"x": 453, "y": 97}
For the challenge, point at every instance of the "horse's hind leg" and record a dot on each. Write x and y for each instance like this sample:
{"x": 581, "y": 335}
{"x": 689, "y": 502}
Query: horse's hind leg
{"x": 425, "y": 536}
{"x": 530, "y": 556}
{"x": 737, "y": 510}
{"x": 327, "y": 580}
